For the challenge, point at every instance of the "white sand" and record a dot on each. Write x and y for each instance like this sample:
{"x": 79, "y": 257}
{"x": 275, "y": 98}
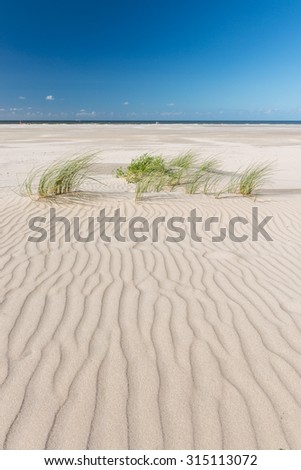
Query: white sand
{"x": 149, "y": 345}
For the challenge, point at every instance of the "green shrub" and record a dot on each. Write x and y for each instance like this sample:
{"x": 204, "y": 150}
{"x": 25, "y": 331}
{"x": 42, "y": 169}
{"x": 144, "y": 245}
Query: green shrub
{"x": 144, "y": 165}
{"x": 182, "y": 171}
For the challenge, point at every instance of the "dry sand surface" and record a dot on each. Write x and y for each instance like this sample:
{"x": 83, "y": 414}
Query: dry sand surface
{"x": 151, "y": 345}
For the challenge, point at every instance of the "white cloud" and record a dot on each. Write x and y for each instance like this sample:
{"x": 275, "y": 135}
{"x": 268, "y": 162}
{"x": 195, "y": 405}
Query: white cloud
{"x": 82, "y": 112}
{"x": 270, "y": 111}
{"x": 208, "y": 113}
{"x": 22, "y": 98}
{"x": 2, "y": 109}
{"x": 49, "y": 98}
{"x": 16, "y": 109}
{"x": 170, "y": 104}
{"x": 171, "y": 114}
{"x": 126, "y": 103}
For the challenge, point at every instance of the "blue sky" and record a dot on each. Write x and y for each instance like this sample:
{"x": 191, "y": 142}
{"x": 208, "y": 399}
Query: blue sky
{"x": 173, "y": 60}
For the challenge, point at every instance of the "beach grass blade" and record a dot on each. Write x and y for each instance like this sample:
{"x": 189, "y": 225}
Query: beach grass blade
{"x": 61, "y": 177}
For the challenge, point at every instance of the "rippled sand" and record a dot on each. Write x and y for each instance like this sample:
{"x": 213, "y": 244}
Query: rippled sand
{"x": 153, "y": 345}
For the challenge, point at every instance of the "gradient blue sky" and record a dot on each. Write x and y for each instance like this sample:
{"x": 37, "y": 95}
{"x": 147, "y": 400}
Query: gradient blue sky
{"x": 150, "y": 59}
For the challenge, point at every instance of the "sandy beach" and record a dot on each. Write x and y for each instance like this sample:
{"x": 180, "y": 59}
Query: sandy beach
{"x": 154, "y": 344}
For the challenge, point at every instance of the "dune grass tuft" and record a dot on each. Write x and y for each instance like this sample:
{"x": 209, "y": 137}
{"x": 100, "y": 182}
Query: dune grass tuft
{"x": 201, "y": 178}
{"x": 61, "y": 177}
{"x": 150, "y": 173}
{"x": 206, "y": 177}
{"x": 146, "y": 164}
{"x": 250, "y": 180}
{"x": 182, "y": 171}
{"x": 178, "y": 167}
{"x": 155, "y": 183}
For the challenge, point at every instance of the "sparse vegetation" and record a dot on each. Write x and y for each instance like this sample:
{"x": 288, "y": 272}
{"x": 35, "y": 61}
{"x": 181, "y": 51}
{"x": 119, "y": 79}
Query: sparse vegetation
{"x": 145, "y": 165}
{"x": 206, "y": 177}
{"x": 178, "y": 168}
{"x": 250, "y": 180}
{"x": 201, "y": 178}
{"x": 182, "y": 171}
{"x": 155, "y": 182}
{"x": 150, "y": 173}
{"x": 61, "y": 177}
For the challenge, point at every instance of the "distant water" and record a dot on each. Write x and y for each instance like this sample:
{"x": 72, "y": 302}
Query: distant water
{"x": 155, "y": 122}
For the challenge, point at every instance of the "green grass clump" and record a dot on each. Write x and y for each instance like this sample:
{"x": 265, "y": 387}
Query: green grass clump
{"x": 146, "y": 164}
{"x": 201, "y": 178}
{"x": 182, "y": 171}
{"x": 178, "y": 167}
{"x": 183, "y": 162}
{"x": 155, "y": 173}
{"x": 155, "y": 183}
{"x": 62, "y": 177}
{"x": 250, "y": 180}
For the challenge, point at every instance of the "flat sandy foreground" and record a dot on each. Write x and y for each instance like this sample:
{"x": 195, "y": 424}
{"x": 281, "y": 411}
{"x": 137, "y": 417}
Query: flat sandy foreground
{"x": 151, "y": 345}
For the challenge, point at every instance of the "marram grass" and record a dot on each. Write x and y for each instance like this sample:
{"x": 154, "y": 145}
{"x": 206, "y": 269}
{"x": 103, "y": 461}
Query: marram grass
{"x": 183, "y": 171}
{"x": 178, "y": 168}
{"x": 61, "y": 177}
{"x": 202, "y": 177}
{"x": 144, "y": 165}
{"x": 150, "y": 174}
{"x": 253, "y": 178}
{"x": 155, "y": 183}
{"x": 250, "y": 180}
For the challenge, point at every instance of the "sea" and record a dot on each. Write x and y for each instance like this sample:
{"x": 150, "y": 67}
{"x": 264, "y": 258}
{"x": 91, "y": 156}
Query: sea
{"x": 153, "y": 122}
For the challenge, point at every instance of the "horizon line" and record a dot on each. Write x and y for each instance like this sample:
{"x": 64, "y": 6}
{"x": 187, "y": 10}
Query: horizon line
{"x": 155, "y": 121}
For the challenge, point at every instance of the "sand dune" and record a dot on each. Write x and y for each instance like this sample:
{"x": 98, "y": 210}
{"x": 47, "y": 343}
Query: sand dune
{"x": 153, "y": 345}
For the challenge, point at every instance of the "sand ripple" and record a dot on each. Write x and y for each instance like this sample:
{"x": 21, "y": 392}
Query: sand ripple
{"x": 151, "y": 345}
